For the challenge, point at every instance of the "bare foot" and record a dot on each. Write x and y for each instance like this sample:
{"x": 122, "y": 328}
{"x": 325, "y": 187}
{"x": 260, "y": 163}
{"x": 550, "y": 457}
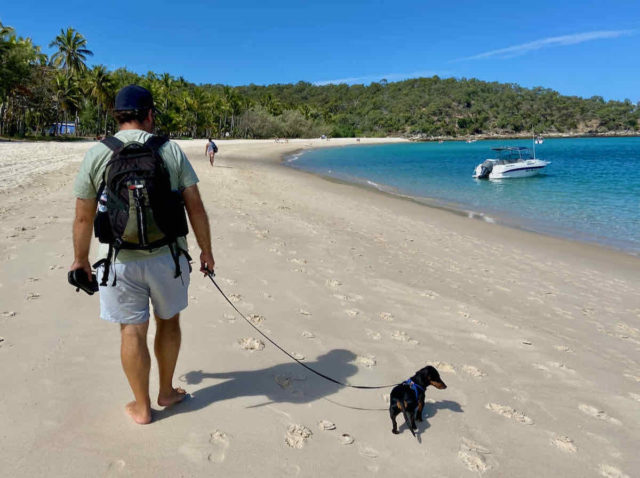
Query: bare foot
{"x": 175, "y": 396}
{"x": 140, "y": 414}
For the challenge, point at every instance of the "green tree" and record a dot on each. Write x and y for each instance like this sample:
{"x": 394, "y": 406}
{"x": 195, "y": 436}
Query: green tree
{"x": 72, "y": 52}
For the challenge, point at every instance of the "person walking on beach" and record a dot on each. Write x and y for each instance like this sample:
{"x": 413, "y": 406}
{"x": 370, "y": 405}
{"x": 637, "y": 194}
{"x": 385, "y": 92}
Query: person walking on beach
{"x": 160, "y": 274}
{"x": 211, "y": 149}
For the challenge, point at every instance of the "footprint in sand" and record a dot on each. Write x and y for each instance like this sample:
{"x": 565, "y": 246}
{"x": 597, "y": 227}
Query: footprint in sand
{"x": 402, "y": 336}
{"x": 308, "y": 335}
{"x": 563, "y": 348}
{"x": 509, "y": 412}
{"x": 444, "y": 367}
{"x": 473, "y": 456}
{"x": 473, "y": 371}
{"x": 297, "y": 355}
{"x": 386, "y": 316}
{"x": 599, "y": 414}
{"x": 235, "y": 298}
{"x": 346, "y": 439}
{"x": 297, "y": 436}
{"x": 333, "y": 283}
{"x": 632, "y": 376}
{"x": 482, "y": 337}
{"x": 564, "y": 443}
{"x": 352, "y": 312}
{"x": 251, "y": 343}
{"x": 267, "y": 296}
{"x": 373, "y": 335}
{"x": 609, "y": 471}
{"x": 304, "y": 312}
{"x": 256, "y": 319}
{"x": 429, "y": 294}
{"x": 32, "y": 296}
{"x": 326, "y": 425}
{"x": 635, "y": 396}
{"x": 219, "y": 443}
{"x": 366, "y": 360}
{"x": 9, "y": 314}
{"x": 368, "y": 452}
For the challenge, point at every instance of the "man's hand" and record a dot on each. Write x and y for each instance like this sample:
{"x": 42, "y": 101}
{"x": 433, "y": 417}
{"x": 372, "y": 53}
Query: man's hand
{"x": 82, "y": 264}
{"x": 206, "y": 262}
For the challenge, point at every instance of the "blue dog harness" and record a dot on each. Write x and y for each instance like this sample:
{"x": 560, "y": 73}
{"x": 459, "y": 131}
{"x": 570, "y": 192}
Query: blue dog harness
{"x": 414, "y": 386}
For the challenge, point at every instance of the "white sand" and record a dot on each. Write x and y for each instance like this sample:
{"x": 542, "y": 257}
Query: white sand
{"x": 537, "y": 338}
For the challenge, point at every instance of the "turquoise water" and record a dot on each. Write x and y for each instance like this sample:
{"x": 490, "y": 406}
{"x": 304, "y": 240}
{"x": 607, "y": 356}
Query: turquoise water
{"x": 589, "y": 192}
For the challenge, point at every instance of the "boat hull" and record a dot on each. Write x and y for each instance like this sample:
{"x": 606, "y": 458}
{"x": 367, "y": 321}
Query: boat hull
{"x": 519, "y": 169}
{"x": 515, "y": 171}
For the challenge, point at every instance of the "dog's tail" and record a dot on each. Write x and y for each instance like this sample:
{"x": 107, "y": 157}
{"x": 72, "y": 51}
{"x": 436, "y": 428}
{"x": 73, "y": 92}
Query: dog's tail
{"x": 407, "y": 419}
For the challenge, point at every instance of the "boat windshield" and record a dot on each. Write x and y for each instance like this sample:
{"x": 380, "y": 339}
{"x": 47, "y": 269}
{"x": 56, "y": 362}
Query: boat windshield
{"x": 513, "y": 154}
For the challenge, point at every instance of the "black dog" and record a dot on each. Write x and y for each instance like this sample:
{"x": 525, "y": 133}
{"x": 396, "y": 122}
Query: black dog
{"x": 408, "y": 397}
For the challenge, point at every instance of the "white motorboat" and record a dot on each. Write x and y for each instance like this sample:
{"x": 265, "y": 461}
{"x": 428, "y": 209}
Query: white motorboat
{"x": 512, "y": 162}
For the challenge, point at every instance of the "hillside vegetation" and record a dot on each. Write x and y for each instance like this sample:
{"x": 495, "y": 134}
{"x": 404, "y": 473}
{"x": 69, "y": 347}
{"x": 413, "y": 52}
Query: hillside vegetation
{"x": 37, "y": 91}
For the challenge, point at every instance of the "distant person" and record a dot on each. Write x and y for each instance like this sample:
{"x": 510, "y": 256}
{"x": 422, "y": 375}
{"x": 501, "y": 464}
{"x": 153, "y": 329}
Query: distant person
{"x": 152, "y": 264}
{"x": 211, "y": 149}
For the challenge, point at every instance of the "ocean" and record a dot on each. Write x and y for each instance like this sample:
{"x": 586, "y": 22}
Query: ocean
{"x": 590, "y": 192}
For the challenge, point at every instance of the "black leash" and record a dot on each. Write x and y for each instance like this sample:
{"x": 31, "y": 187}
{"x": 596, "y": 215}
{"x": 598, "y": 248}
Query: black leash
{"x": 326, "y": 377}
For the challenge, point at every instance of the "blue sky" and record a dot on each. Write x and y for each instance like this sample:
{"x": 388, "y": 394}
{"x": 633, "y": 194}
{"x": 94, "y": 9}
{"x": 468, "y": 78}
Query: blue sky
{"x": 582, "y": 48}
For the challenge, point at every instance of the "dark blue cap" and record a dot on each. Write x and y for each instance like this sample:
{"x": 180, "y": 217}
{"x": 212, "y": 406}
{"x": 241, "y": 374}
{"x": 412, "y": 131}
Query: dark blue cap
{"x": 133, "y": 97}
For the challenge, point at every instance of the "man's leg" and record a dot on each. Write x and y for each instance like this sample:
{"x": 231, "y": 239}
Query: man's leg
{"x": 136, "y": 363}
{"x": 167, "y": 347}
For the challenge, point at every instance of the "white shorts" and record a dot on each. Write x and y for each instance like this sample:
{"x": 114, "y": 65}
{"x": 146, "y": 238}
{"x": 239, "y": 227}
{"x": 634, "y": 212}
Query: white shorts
{"x": 138, "y": 281}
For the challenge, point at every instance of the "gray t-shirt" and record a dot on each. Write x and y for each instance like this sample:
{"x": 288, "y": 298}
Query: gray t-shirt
{"x": 89, "y": 179}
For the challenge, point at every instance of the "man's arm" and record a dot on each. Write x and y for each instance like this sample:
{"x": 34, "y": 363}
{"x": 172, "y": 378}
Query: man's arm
{"x": 82, "y": 228}
{"x": 200, "y": 225}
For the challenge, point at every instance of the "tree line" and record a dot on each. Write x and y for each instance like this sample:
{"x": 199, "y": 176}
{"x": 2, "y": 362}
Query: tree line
{"x": 38, "y": 91}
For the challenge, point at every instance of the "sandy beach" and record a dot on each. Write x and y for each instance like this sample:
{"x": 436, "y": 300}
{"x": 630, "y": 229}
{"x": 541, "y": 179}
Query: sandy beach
{"x": 537, "y": 338}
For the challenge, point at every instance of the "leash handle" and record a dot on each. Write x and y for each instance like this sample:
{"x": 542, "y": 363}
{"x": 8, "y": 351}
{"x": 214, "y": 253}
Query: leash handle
{"x": 211, "y": 274}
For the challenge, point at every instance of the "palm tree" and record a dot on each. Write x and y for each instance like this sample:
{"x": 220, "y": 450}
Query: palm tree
{"x": 100, "y": 88}
{"x": 71, "y": 53}
{"x": 67, "y": 95}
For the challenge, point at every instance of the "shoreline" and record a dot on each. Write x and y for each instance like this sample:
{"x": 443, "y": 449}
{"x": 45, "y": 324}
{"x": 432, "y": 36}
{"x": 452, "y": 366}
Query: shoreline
{"x": 435, "y": 203}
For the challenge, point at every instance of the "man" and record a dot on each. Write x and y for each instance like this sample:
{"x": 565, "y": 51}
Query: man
{"x": 142, "y": 275}
{"x": 211, "y": 149}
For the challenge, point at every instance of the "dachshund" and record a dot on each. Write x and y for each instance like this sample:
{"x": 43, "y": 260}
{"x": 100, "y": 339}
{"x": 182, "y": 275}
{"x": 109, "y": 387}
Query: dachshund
{"x": 408, "y": 397}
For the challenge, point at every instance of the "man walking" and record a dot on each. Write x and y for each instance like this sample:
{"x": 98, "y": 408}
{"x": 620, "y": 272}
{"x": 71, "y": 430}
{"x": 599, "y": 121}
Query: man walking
{"x": 159, "y": 275}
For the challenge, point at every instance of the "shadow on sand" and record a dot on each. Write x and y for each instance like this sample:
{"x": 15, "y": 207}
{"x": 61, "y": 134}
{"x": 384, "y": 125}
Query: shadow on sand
{"x": 282, "y": 383}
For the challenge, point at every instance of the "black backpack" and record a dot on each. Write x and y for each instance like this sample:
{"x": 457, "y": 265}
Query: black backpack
{"x": 136, "y": 207}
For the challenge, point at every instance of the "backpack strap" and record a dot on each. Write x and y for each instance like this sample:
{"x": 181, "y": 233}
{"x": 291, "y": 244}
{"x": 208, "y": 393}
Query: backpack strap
{"x": 113, "y": 143}
{"x": 112, "y": 255}
{"x": 154, "y": 143}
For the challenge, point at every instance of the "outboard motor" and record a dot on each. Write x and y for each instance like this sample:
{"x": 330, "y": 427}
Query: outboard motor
{"x": 484, "y": 170}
